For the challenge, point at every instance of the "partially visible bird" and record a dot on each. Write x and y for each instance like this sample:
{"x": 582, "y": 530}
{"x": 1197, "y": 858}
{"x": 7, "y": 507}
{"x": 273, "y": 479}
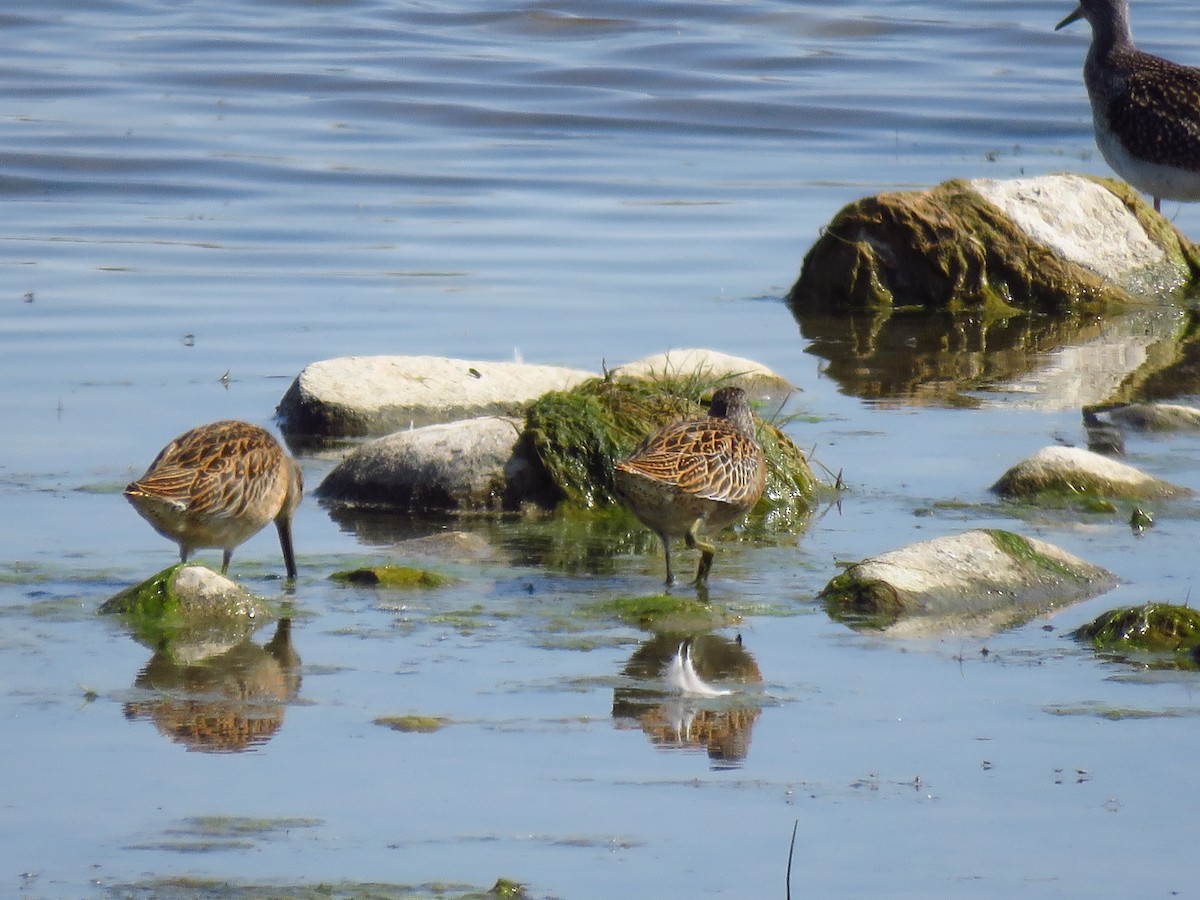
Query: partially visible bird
{"x": 1146, "y": 110}
{"x": 217, "y": 486}
{"x": 692, "y": 475}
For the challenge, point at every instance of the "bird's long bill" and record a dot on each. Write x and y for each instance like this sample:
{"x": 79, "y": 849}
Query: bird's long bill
{"x": 1073, "y": 17}
{"x": 284, "y": 527}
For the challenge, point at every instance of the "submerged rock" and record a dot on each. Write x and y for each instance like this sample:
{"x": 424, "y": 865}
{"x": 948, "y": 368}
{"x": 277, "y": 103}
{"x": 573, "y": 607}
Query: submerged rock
{"x": 1000, "y": 247}
{"x": 981, "y": 580}
{"x": 1156, "y": 635}
{"x": 1152, "y": 628}
{"x": 392, "y": 576}
{"x": 1152, "y": 416}
{"x": 1072, "y": 473}
{"x": 374, "y": 395}
{"x": 191, "y": 607}
{"x": 457, "y": 465}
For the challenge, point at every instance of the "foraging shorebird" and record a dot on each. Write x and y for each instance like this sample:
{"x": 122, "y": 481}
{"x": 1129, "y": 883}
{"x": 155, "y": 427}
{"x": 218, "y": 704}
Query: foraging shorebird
{"x": 692, "y": 475}
{"x": 217, "y": 486}
{"x": 1146, "y": 109}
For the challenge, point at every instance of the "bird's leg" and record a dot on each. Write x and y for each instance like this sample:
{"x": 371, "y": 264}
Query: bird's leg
{"x": 1158, "y": 204}
{"x": 666, "y": 542}
{"x": 225, "y": 558}
{"x": 695, "y": 542}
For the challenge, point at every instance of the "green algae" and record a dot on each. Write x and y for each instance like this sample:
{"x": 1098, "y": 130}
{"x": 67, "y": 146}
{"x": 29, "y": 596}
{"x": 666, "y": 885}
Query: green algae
{"x": 413, "y": 724}
{"x": 1154, "y": 628}
{"x": 663, "y": 613}
{"x": 392, "y": 576}
{"x": 198, "y": 888}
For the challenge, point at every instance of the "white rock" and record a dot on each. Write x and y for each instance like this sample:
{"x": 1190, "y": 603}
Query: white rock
{"x": 753, "y": 377}
{"x": 973, "y": 582}
{"x": 1081, "y": 220}
{"x": 1075, "y": 471}
{"x": 375, "y": 395}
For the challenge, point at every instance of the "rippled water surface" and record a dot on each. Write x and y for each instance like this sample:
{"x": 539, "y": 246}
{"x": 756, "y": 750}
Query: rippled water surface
{"x": 201, "y": 198}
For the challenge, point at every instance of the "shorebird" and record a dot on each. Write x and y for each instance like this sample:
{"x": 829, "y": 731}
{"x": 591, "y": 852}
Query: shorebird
{"x": 689, "y": 475}
{"x": 217, "y": 486}
{"x": 1146, "y": 109}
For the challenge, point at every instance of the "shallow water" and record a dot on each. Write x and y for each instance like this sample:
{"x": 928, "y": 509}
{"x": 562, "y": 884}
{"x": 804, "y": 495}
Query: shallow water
{"x": 201, "y": 199}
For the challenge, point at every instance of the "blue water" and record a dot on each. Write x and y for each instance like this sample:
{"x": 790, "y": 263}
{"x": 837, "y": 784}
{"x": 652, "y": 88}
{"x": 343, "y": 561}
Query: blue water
{"x": 200, "y": 199}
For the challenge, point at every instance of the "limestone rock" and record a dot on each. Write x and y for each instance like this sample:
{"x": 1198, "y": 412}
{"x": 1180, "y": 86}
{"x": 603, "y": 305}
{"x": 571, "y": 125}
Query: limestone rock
{"x": 977, "y": 581}
{"x": 1074, "y": 473}
{"x": 376, "y": 395}
{"x": 455, "y": 465}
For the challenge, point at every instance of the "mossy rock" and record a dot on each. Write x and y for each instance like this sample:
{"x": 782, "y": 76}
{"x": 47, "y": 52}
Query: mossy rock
{"x": 578, "y": 436}
{"x": 1058, "y": 476}
{"x": 413, "y": 724}
{"x": 190, "y": 604}
{"x": 977, "y": 581}
{"x": 390, "y": 576}
{"x": 1152, "y": 628}
{"x": 951, "y": 248}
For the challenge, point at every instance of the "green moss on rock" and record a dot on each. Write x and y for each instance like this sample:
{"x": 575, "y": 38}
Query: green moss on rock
{"x": 390, "y": 576}
{"x": 1152, "y": 628}
{"x": 947, "y": 248}
{"x": 413, "y": 723}
{"x": 188, "y": 602}
{"x": 664, "y": 613}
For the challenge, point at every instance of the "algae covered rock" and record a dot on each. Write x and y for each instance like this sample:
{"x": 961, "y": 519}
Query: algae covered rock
{"x": 391, "y": 576}
{"x": 1045, "y": 244}
{"x": 979, "y": 580}
{"x": 1059, "y": 474}
{"x": 1152, "y": 628}
{"x": 189, "y": 604}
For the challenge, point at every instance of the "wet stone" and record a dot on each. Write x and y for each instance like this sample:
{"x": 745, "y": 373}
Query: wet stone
{"x": 976, "y": 582}
{"x": 1071, "y": 473}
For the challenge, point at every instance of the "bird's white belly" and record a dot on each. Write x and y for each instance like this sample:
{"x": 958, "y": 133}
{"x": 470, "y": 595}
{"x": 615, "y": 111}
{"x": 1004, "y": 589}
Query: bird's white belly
{"x": 1150, "y": 178}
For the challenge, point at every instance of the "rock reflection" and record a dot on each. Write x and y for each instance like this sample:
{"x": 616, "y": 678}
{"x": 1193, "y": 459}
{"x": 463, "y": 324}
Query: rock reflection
{"x": 718, "y": 721}
{"x": 228, "y": 701}
{"x": 941, "y": 358}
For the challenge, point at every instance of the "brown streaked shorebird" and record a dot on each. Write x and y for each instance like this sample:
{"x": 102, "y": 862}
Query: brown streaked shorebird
{"x": 1146, "y": 109}
{"x": 693, "y": 475}
{"x": 218, "y": 485}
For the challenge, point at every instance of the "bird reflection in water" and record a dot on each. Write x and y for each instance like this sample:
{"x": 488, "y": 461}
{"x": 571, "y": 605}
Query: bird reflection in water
{"x": 674, "y": 698}
{"x": 228, "y": 702}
